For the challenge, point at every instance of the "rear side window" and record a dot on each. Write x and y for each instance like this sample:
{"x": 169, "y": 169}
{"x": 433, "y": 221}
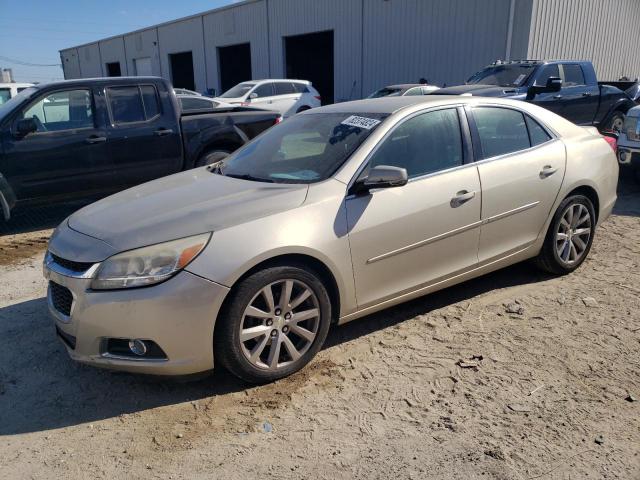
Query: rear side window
{"x": 284, "y": 88}
{"x": 133, "y": 104}
{"x": 300, "y": 88}
{"x": 501, "y": 131}
{"x": 537, "y": 134}
{"x": 573, "y": 75}
{"x": 424, "y": 144}
{"x": 265, "y": 90}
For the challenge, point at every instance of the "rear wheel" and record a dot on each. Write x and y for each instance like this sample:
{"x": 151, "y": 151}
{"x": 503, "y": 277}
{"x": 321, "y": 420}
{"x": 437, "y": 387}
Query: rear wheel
{"x": 570, "y": 236}
{"x": 275, "y": 322}
{"x": 212, "y": 157}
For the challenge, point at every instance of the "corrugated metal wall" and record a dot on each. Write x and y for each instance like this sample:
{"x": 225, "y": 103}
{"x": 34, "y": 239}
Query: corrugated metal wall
{"x": 606, "y": 32}
{"x": 379, "y": 42}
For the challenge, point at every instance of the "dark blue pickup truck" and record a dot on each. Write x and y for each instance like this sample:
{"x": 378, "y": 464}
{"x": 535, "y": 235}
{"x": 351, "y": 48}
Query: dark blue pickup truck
{"x": 566, "y": 87}
{"x": 89, "y": 137}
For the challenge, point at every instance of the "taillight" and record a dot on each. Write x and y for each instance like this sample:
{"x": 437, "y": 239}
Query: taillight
{"x": 278, "y": 120}
{"x": 318, "y": 97}
{"x": 612, "y": 139}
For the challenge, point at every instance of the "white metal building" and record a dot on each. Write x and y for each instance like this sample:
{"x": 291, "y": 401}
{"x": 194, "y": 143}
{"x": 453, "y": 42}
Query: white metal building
{"x": 349, "y": 48}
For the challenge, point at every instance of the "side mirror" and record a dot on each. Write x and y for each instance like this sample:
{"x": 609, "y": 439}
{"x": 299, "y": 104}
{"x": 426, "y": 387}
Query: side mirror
{"x": 253, "y": 95}
{"x": 26, "y": 126}
{"x": 554, "y": 84}
{"x": 382, "y": 176}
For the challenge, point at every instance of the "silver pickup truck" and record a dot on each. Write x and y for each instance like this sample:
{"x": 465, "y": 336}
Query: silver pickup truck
{"x": 629, "y": 141}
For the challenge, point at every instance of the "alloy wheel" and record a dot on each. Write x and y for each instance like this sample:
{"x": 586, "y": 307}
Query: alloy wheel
{"x": 573, "y": 233}
{"x": 279, "y": 324}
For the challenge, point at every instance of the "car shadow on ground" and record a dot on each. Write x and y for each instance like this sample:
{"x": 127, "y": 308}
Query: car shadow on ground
{"x": 42, "y": 389}
{"x": 628, "y": 203}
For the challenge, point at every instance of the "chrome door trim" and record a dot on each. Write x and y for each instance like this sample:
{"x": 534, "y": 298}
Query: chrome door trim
{"x": 427, "y": 241}
{"x": 508, "y": 213}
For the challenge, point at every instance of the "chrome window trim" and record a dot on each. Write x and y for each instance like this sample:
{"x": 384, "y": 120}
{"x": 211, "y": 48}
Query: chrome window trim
{"x": 511, "y": 154}
{"x": 53, "y": 266}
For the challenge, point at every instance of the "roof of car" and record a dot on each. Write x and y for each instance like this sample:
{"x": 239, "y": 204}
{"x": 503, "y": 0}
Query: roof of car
{"x": 100, "y": 80}
{"x": 306, "y": 82}
{"x": 406, "y": 85}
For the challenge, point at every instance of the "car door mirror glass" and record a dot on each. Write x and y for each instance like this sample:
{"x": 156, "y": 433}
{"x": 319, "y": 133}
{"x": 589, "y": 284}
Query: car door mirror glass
{"x": 385, "y": 176}
{"x": 25, "y": 126}
{"x": 253, "y": 95}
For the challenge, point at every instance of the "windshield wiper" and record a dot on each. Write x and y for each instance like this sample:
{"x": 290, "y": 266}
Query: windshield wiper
{"x": 247, "y": 176}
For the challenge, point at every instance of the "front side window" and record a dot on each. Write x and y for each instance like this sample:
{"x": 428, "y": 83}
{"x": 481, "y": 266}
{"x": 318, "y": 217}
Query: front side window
{"x": 573, "y": 75}
{"x": 424, "y": 144}
{"x": 501, "y": 131}
{"x": 547, "y": 72}
{"x": 264, "y": 90}
{"x": 304, "y": 149}
{"x": 509, "y": 75}
{"x": 66, "y": 110}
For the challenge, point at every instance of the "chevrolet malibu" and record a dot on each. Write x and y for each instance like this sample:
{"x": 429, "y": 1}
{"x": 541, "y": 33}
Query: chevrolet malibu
{"x": 336, "y": 213}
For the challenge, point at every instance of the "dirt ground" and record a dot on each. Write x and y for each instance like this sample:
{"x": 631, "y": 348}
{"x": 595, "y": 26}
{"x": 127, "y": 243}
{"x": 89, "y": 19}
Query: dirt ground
{"x": 449, "y": 386}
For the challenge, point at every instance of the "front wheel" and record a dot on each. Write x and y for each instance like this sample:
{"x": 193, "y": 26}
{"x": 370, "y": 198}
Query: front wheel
{"x": 616, "y": 122}
{"x": 275, "y": 322}
{"x": 569, "y": 237}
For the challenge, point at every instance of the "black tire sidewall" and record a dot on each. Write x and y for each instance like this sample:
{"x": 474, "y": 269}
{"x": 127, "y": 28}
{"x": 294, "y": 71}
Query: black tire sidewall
{"x": 227, "y": 348}
{"x": 550, "y": 252}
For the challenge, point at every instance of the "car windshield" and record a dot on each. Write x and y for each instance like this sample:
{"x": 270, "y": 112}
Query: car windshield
{"x": 512, "y": 75}
{"x": 7, "y": 107}
{"x": 239, "y": 90}
{"x": 386, "y": 92}
{"x": 303, "y": 149}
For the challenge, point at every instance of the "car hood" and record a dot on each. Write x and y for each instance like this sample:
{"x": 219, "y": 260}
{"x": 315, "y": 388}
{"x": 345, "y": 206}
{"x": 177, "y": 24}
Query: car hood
{"x": 479, "y": 90}
{"x": 188, "y": 203}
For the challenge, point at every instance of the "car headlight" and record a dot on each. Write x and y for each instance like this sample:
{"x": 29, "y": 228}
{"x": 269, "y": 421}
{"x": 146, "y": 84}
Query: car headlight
{"x": 148, "y": 265}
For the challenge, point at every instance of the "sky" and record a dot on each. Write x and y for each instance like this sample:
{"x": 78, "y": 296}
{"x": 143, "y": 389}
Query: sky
{"x": 33, "y": 31}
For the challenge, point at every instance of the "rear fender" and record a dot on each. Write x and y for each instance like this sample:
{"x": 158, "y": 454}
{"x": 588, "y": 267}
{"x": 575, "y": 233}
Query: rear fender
{"x": 620, "y": 105}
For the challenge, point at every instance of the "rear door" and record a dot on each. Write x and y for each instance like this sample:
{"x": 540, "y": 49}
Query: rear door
{"x": 286, "y": 98}
{"x": 580, "y": 100}
{"x": 144, "y": 136}
{"x": 67, "y": 155}
{"x": 521, "y": 170}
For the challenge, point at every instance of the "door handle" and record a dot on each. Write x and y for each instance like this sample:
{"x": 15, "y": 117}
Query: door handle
{"x": 547, "y": 171}
{"x": 161, "y": 132}
{"x": 461, "y": 197}
{"x": 95, "y": 139}
{"x": 557, "y": 97}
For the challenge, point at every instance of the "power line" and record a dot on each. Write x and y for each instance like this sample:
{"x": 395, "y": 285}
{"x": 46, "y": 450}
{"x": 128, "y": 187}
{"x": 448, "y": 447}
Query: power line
{"x": 28, "y": 64}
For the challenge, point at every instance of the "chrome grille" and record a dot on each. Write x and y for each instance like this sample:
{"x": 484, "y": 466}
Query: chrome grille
{"x": 70, "y": 264}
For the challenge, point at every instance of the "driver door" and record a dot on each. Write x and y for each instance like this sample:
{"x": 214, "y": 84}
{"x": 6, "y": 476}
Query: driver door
{"x": 408, "y": 237}
{"x": 66, "y": 155}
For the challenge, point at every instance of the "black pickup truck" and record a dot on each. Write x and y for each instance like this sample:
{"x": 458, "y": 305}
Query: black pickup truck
{"x": 80, "y": 138}
{"x": 567, "y": 87}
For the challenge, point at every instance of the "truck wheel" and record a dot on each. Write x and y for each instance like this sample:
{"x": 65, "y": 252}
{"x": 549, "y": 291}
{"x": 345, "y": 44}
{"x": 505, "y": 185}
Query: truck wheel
{"x": 569, "y": 237}
{"x": 616, "y": 122}
{"x": 212, "y": 157}
{"x": 273, "y": 324}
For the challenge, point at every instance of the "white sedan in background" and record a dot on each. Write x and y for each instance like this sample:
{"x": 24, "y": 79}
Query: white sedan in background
{"x": 285, "y": 96}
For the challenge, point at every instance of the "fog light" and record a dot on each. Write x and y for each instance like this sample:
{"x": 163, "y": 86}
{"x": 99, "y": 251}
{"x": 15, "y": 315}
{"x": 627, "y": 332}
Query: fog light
{"x": 624, "y": 156}
{"x": 138, "y": 347}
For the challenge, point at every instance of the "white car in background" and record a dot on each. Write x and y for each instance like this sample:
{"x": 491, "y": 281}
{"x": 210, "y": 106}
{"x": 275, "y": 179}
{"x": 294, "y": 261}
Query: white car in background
{"x": 10, "y": 90}
{"x": 285, "y": 96}
{"x": 185, "y": 91}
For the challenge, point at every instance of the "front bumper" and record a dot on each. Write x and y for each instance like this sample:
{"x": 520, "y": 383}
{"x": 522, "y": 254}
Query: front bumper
{"x": 178, "y": 315}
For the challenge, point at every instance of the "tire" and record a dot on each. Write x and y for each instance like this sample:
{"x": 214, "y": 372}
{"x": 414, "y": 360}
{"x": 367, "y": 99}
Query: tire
{"x": 254, "y": 358}
{"x": 616, "y": 122}
{"x": 212, "y": 157}
{"x": 550, "y": 258}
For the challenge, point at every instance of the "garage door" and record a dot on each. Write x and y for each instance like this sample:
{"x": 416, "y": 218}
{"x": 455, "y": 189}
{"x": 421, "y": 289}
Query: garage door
{"x": 142, "y": 66}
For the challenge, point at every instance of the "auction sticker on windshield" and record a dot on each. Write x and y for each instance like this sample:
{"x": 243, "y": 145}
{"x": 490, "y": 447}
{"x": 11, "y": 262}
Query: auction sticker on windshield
{"x": 360, "y": 122}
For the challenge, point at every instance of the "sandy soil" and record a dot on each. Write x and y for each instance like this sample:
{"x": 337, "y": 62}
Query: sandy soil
{"x": 449, "y": 386}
